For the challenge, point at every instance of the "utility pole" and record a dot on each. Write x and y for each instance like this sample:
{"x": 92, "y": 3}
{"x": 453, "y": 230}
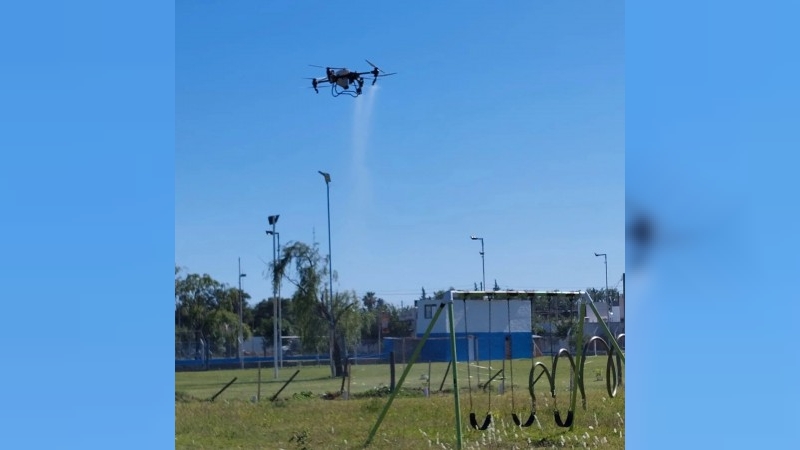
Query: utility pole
{"x": 276, "y": 349}
{"x": 483, "y": 262}
{"x": 331, "y": 323}
{"x": 241, "y": 331}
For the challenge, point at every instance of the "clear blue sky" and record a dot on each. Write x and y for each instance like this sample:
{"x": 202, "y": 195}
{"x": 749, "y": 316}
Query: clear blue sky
{"x": 506, "y": 122}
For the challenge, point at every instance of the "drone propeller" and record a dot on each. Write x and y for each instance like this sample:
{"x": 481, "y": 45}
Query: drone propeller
{"x": 376, "y": 72}
{"x": 321, "y": 67}
{"x": 374, "y": 66}
{"x": 375, "y": 80}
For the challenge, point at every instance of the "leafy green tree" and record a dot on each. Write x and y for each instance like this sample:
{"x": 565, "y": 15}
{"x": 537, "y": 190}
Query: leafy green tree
{"x": 370, "y": 301}
{"x": 374, "y": 308}
{"x": 312, "y": 308}
{"x": 263, "y": 318}
{"x": 349, "y": 322}
{"x": 370, "y": 321}
{"x": 208, "y": 310}
{"x": 397, "y": 326}
{"x": 222, "y": 332}
{"x": 197, "y": 298}
{"x": 600, "y": 295}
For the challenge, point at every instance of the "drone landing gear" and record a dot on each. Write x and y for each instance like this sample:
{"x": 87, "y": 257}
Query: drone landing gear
{"x": 375, "y": 73}
{"x": 360, "y": 85}
{"x": 336, "y": 92}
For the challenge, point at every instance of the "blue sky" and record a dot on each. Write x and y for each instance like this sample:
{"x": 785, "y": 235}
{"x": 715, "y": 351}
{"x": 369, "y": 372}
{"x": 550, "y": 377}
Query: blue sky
{"x": 504, "y": 122}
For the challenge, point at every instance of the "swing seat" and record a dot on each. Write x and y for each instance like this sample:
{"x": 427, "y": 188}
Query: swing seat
{"x": 568, "y": 422}
{"x": 473, "y": 420}
{"x": 525, "y": 424}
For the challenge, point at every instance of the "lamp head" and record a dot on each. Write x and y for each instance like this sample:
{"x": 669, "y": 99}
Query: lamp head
{"x": 273, "y": 219}
{"x": 326, "y": 175}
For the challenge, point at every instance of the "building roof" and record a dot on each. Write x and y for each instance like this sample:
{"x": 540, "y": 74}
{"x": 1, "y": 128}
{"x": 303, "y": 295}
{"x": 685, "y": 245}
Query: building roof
{"x": 509, "y": 294}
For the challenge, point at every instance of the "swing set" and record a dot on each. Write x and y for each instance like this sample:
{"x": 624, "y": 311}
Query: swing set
{"x": 473, "y": 418}
{"x": 613, "y": 372}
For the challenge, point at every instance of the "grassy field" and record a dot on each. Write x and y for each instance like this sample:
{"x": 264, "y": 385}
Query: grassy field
{"x": 301, "y": 417}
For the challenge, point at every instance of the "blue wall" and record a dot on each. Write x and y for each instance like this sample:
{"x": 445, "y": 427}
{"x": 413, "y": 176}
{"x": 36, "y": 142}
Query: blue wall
{"x": 249, "y": 361}
{"x": 489, "y": 346}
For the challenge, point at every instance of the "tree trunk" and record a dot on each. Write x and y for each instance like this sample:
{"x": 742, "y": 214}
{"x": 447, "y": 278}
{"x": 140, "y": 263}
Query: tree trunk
{"x": 331, "y": 349}
{"x": 337, "y": 359}
{"x": 198, "y": 349}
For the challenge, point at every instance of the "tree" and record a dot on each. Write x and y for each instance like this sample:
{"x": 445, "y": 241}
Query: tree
{"x": 208, "y": 310}
{"x": 397, "y": 326}
{"x": 374, "y": 307}
{"x": 349, "y": 322}
{"x": 222, "y": 332}
{"x": 311, "y": 305}
{"x": 370, "y": 301}
{"x": 439, "y": 295}
{"x": 370, "y": 321}
{"x": 197, "y": 296}
{"x": 600, "y": 295}
{"x": 262, "y": 319}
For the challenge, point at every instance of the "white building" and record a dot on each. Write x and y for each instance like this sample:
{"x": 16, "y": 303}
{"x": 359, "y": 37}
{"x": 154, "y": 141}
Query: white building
{"x": 483, "y": 322}
{"x": 602, "y": 308}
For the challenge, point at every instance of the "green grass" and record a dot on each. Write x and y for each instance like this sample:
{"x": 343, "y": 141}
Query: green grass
{"x": 301, "y": 418}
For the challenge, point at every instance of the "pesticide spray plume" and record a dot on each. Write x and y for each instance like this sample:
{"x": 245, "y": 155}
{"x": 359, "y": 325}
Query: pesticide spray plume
{"x": 362, "y": 125}
{"x": 359, "y": 209}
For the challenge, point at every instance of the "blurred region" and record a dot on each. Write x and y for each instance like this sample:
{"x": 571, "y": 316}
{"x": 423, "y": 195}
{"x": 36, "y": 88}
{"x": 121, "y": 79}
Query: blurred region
{"x": 711, "y": 246}
{"x": 688, "y": 259}
{"x": 673, "y": 241}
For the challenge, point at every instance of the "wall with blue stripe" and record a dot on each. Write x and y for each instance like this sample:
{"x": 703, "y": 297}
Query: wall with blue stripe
{"x": 480, "y": 346}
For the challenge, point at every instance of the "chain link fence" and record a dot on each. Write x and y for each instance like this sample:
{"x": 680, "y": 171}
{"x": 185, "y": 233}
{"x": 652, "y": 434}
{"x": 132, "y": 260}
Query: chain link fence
{"x": 194, "y": 351}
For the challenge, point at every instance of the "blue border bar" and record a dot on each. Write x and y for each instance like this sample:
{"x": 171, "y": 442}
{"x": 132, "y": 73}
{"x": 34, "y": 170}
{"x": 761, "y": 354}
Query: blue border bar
{"x": 711, "y": 162}
{"x": 87, "y": 191}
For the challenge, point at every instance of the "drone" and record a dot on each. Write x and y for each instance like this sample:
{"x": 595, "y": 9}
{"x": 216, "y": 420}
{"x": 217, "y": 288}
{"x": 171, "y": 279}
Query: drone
{"x": 341, "y": 79}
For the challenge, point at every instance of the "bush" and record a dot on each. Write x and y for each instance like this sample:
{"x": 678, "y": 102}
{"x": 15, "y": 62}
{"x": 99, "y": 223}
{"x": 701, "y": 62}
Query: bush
{"x": 181, "y": 396}
{"x": 302, "y": 395}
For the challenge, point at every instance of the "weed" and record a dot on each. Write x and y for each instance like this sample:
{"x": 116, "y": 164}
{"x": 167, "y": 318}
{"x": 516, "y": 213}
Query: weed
{"x": 181, "y": 396}
{"x": 302, "y": 440}
{"x": 302, "y": 395}
{"x": 372, "y": 406}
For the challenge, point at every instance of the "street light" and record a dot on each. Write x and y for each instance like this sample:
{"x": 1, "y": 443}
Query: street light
{"x": 483, "y": 261}
{"x": 280, "y": 312}
{"x": 272, "y": 220}
{"x": 605, "y": 260}
{"x": 327, "y": 177}
{"x": 241, "y": 336}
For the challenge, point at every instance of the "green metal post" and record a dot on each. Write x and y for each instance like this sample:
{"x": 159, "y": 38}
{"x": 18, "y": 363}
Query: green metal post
{"x": 578, "y": 377}
{"x": 611, "y": 338}
{"x": 414, "y": 357}
{"x": 454, "y": 360}
{"x": 275, "y": 397}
